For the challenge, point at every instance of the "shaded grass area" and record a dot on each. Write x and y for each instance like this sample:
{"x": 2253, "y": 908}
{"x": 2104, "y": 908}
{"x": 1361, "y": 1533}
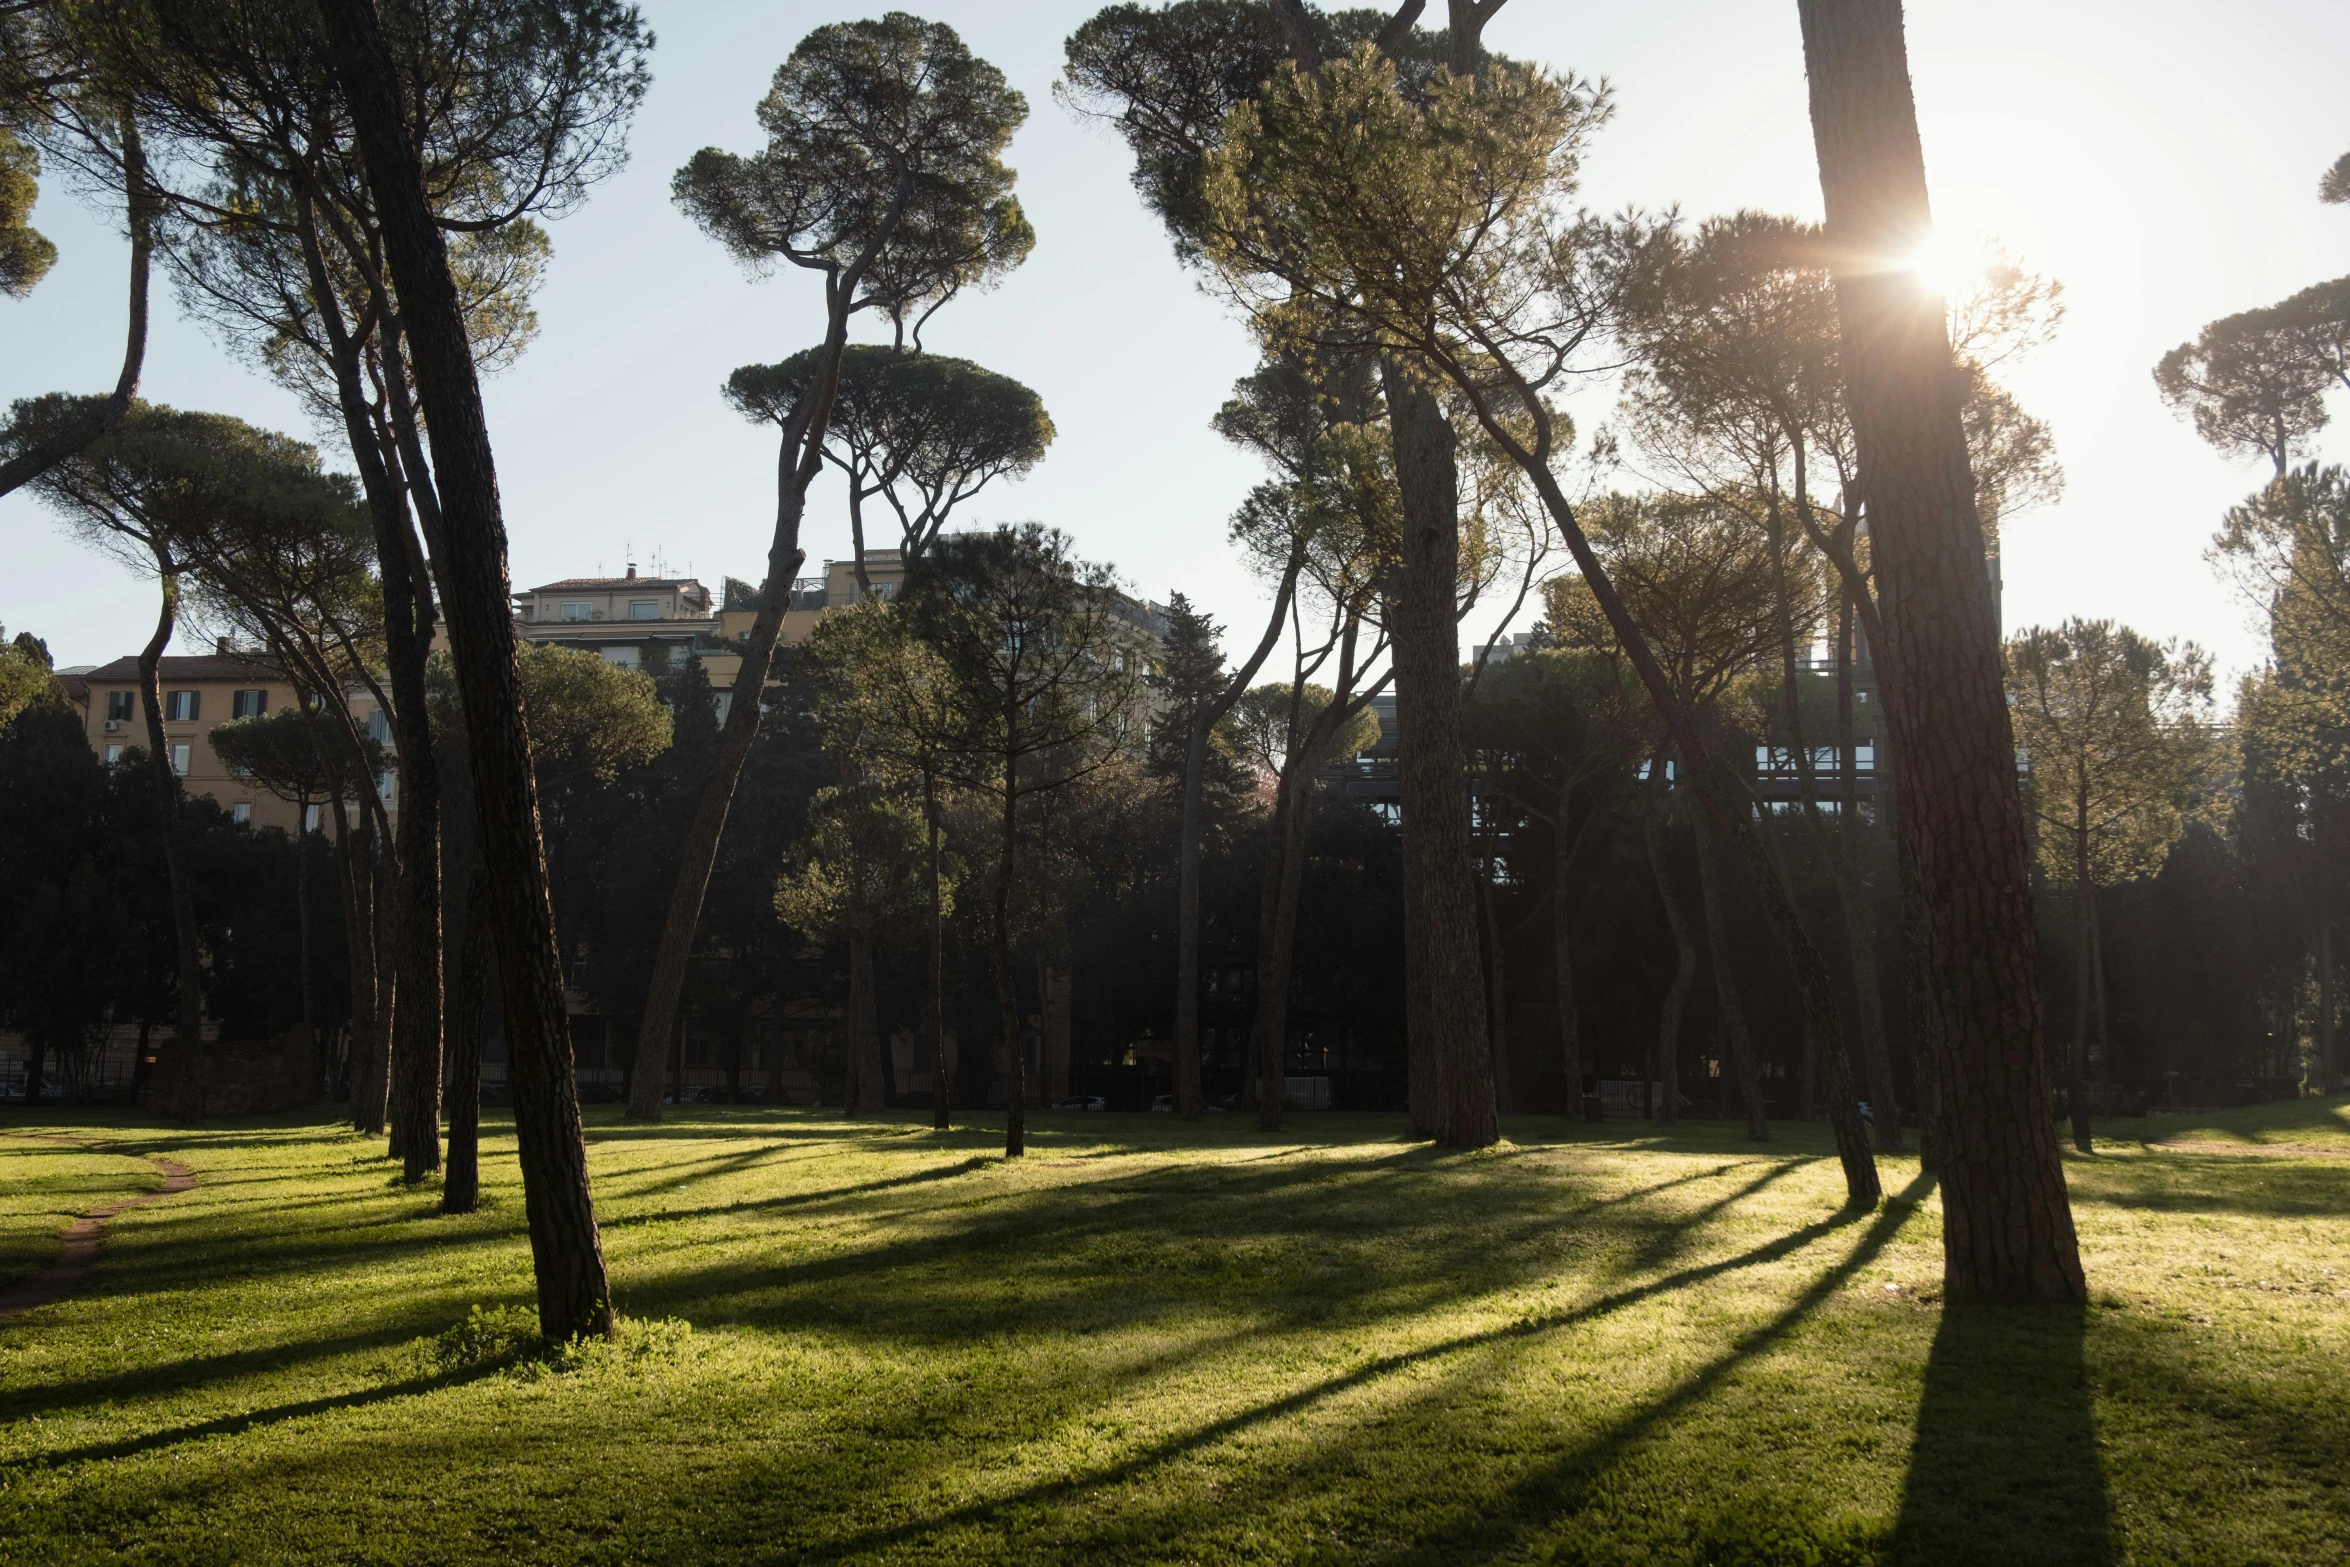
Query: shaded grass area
{"x": 1154, "y": 1343}
{"x": 2317, "y": 1125}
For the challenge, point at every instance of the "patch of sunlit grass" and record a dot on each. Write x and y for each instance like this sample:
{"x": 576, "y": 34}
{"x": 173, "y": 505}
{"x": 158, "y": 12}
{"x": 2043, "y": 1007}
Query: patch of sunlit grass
{"x": 1153, "y": 1342}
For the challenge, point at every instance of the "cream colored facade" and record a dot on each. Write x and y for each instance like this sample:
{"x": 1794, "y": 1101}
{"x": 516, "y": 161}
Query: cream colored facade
{"x": 198, "y": 695}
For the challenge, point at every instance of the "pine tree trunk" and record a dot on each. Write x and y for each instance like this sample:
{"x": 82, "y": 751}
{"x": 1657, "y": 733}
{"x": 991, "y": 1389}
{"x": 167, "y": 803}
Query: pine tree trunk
{"x": 1852, "y": 896}
{"x": 1667, "y": 1072}
{"x": 358, "y": 889}
{"x": 468, "y": 1022}
{"x": 2007, "y": 1222}
{"x": 1277, "y": 943}
{"x": 1190, "y": 1100}
{"x": 302, "y": 920}
{"x": 1498, "y": 1001}
{"x": 2329, "y": 1067}
{"x": 2076, "y": 1088}
{"x": 1726, "y": 996}
{"x": 413, "y": 921}
{"x": 934, "y": 1008}
{"x": 188, "y": 1082}
{"x": 1562, "y": 955}
{"x": 574, "y": 1295}
{"x": 1006, "y": 995}
{"x": 1438, "y": 864}
{"x": 140, "y": 208}
{"x": 383, "y": 888}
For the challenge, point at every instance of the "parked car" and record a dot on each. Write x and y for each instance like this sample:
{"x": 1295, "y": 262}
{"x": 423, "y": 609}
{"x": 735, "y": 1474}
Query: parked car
{"x": 1165, "y": 1102}
{"x": 1082, "y": 1102}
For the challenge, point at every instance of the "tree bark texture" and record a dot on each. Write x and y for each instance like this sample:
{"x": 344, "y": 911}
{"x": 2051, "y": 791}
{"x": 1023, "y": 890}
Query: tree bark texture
{"x": 1439, "y": 866}
{"x": 1726, "y": 996}
{"x": 468, "y": 1021}
{"x": 2007, "y": 1222}
{"x": 574, "y": 1294}
{"x": 187, "y": 968}
{"x": 413, "y": 1075}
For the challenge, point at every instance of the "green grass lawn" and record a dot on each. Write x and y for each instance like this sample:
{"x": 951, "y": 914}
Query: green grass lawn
{"x": 1152, "y": 1343}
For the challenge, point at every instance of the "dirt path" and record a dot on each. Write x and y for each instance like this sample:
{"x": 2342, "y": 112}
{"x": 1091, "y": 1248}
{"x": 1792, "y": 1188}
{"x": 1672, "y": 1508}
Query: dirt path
{"x": 81, "y": 1237}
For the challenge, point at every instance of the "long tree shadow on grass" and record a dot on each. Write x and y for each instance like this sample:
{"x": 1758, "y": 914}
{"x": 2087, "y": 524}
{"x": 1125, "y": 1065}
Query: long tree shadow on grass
{"x": 2006, "y": 1447}
{"x": 1533, "y": 1499}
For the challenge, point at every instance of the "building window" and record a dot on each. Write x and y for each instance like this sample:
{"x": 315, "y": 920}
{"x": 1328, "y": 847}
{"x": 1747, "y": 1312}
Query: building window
{"x": 118, "y": 707}
{"x": 625, "y": 657}
{"x": 310, "y": 817}
{"x": 179, "y": 760}
{"x": 722, "y": 702}
{"x": 644, "y": 609}
{"x": 379, "y": 727}
{"x": 114, "y": 754}
{"x": 181, "y": 707}
{"x": 250, "y": 704}
{"x": 577, "y": 610}
{"x": 242, "y": 811}
{"x": 385, "y": 783}
{"x": 700, "y": 1049}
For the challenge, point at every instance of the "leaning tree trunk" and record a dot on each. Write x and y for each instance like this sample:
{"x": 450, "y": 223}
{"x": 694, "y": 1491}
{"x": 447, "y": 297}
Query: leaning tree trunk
{"x": 468, "y": 1022}
{"x": 1438, "y": 863}
{"x": 1277, "y": 938}
{"x": 1726, "y": 996}
{"x": 188, "y": 1082}
{"x": 1190, "y": 1102}
{"x": 801, "y": 458}
{"x": 416, "y": 1038}
{"x": 1668, "y": 1030}
{"x": 574, "y": 1293}
{"x": 2007, "y": 1222}
{"x": 140, "y": 208}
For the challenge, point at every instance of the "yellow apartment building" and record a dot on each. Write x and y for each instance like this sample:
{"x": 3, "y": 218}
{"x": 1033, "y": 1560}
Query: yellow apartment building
{"x": 198, "y": 693}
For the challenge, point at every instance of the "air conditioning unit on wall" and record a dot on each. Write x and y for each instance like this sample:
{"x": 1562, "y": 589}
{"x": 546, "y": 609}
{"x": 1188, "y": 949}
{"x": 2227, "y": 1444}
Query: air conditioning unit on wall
{"x": 112, "y": 724}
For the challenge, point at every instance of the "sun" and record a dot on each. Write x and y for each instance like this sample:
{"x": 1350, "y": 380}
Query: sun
{"x": 1950, "y": 264}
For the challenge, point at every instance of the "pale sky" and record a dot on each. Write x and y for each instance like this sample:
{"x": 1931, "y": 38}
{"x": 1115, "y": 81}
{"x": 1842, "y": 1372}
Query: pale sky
{"x": 2161, "y": 157}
